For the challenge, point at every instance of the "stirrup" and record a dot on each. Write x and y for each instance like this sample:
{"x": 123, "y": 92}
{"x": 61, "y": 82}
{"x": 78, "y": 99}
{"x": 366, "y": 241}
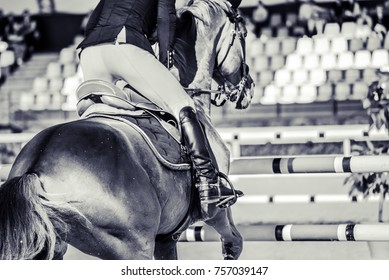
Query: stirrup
{"x": 228, "y": 201}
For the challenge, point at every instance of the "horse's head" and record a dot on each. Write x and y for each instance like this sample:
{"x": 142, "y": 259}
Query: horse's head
{"x": 231, "y": 71}
{"x": 220, "y": 51}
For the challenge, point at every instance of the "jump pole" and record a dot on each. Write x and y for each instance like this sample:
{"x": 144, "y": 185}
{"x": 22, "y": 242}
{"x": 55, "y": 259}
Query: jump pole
{"x": 290, "y": 232}
{"x": 309, "y": 164}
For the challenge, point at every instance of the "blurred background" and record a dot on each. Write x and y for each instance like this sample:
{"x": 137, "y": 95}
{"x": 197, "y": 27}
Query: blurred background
{"x": 312, "y": 62}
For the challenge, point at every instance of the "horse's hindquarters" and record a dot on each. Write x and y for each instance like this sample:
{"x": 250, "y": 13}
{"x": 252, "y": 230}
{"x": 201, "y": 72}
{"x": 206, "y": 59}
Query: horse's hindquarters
{"x": 111, "y": 177}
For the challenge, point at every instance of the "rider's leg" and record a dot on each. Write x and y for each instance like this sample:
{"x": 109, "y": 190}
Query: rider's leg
{"x": 148, "y": 76}
{"x": 219, "y": 152}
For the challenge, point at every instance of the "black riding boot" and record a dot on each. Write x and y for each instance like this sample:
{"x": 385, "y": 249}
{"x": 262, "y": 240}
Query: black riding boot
{"x": 207, "y": 179}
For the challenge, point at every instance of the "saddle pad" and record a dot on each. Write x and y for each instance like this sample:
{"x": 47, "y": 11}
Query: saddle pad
{"x": 164, "y": 145}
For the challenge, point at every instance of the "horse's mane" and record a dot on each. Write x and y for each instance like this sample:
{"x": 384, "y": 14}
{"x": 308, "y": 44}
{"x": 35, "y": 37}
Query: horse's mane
{"x": 205, "y": 11}
{"x": 193, "y": 20}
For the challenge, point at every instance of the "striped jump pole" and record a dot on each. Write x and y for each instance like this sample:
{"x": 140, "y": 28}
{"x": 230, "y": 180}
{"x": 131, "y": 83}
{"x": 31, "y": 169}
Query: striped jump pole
{"x": 338, "y": 232}
{"x": 309, "y": 164}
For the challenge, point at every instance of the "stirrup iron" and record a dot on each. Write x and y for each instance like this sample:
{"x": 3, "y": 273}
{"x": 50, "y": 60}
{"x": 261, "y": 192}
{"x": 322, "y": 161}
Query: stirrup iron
{"x": 228, "y": 201}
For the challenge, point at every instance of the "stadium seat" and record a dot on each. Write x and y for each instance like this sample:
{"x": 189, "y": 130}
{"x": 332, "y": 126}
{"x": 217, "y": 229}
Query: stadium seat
{"x": 386, "y": 41}
{"x": 298, "y": 31}
{"x": 3, "y": 46}
{"x": 369, "y": 75}
{"x": 339, "y": 45}
{"x": 318, "y": 77}
{"x": 311, "y": 61}
{"x": 345, "y": 60}
{"x": 272, "y": 47}
{"x": 304, "y": 46}
{"x": 380, "y": 58}
{"x": 362, "y": 59}
{"x": 55, "y": 102}
{"x": 300, "y": 77}
{"x": 55, "y": 84}
{"x": 356, "y": 44}
{"x": 69, "y": 69}
{"x": 335, "y": 76}
{"x": 328, "y": 61}
{"x": 70, "y": 103}
{"x": 325, "y": 92}
{"x": 308, "y": 94}
{"x": 255, "y": 49}
{"x": 291, "y": 19}
{"x": 289, "y": 94}
{"x": 40, "y": 84}
{"x": 77, "y": 40}
{"x": 261, "y": 63}
{"x": 342, "y": 91}
{"x": 373, "y": 43}
{"x": 67, "y": 55}
{"x": 352, "y": 75}
{"x": 321, "y": 45}
{"x": 27, "y": 101}
{"x": 360, "y": 90}
{"x": 331, "y": 29}
{"x": 265, "y": 77}
{"x": 266, "y": 32}
{"x": 275, "y": 20}
{"x": 271, "y": 95}
{"x": 294, "y": 61}
{"x": 7, "y": 59}
{"x": 277, "y": 62}
{"x": 348, "y": 29}
{"x": 70, "y": 85}
{"x": 54, "y": 70}
{"x": 282, "y": 77}
{"x": 42, "y": 102}
{"x": 288, "y": 45}
{"x": 282, "y": 32}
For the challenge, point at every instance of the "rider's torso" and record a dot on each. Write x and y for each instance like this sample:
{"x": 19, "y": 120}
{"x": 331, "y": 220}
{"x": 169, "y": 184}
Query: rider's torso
{"x": 110, "y": 16}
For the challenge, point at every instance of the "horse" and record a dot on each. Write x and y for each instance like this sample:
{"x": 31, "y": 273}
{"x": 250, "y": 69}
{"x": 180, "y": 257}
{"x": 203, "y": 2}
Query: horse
{"x": 98, "y": 184}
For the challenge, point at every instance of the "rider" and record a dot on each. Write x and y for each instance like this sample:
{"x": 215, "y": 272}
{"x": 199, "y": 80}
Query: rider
{"x": 134, "y": 62}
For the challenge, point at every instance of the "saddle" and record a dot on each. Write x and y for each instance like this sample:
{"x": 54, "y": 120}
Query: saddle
{"x": 159, "y": 128}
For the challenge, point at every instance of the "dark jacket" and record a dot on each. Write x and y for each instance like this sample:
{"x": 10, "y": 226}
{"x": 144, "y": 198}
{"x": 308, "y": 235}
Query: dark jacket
{"x": 139, "y": 17}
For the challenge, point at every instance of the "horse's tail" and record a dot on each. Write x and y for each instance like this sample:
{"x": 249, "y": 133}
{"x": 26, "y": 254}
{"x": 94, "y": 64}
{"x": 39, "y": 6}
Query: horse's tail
{"x": 26, "y": 224}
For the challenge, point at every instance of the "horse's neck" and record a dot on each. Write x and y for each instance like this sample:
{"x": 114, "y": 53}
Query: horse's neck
{"x": 195, "y": 58}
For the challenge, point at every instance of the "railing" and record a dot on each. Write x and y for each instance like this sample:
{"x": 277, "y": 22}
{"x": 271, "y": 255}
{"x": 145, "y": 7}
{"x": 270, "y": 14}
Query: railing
{"x": 236, "y": 137}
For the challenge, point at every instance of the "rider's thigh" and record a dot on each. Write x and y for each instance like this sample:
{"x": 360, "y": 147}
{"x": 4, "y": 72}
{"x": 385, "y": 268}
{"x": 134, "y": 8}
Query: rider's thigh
{"x": 147, "y": 75}
{"x": 92, "y": 64}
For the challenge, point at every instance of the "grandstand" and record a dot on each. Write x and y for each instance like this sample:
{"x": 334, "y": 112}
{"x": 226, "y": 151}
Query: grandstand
{"x": 302, "y": 78}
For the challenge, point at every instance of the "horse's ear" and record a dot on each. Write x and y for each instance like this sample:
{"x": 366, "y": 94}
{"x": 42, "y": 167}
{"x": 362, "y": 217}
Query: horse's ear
{"x": 235, "y": 3}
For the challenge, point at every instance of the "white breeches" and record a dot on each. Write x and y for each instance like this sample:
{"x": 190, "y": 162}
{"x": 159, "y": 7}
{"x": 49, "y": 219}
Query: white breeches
{"x": 138, "y": 68}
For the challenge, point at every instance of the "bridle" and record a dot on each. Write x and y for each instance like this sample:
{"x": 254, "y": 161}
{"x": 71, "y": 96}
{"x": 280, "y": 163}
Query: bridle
{"x": 227, "y": 90}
